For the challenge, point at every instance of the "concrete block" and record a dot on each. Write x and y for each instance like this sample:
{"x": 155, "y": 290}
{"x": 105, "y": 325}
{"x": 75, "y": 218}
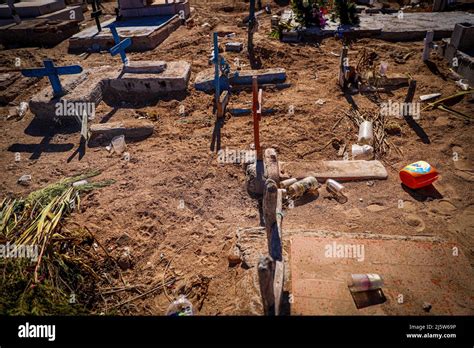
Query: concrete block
{"x": 132, "y": 129}
{"x": 145, "y": 67}
{"x": 137, "y": 88}
{"x": 463, "y": 37}
{"x": 234, "y": 46}
{"x": 205, "y": 79}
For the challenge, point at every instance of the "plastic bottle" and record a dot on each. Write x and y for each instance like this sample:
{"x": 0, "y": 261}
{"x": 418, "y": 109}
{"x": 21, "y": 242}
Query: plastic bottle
{"x": 366, "y": 133}
{"x": 364, "y": 282}
{"x": 383, "y": 68}
{"x": 336, "y": 189}
{"x": 181, "y": 307}
{"x": 307, "y": 185}
{"x": 286, "y": 183}
{"x": 22, "y": 109}
{"x": 362, "y": 152}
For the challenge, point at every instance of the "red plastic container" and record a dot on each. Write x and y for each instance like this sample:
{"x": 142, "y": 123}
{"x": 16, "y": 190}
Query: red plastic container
{"x": 418, "y": 175}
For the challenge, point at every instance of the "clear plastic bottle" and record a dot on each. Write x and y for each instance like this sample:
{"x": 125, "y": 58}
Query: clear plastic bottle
{"x": 364, "y": 282}
{"x": 307, "y": 185}
{"x": 362, "y": 152}
{"x": 366, "y": 133}
{"x": 181, "y": 307}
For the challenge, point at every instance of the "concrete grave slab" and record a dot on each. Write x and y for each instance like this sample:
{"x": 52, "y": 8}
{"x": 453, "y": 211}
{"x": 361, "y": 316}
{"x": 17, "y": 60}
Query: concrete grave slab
{"x": 390, "y": 27}
{"x": 86, "y": 87}
{"x": 205, "y": 79}
{"x": 114, "y": 86}
{"x": 33, "y": 9}
{"x": 419, "y": 268}
{"x": 145, "y": 33}
{"x": 337, "y": 170}
{"x": 137, "y": 8}
{"x": 35, "y": 32}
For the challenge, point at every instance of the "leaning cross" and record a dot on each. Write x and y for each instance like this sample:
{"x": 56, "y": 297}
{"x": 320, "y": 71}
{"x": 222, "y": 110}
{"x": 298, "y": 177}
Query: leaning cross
{"x": 53, "y": 74}
{"x": 96, "y": 13}
{"x": 120, "y": 46}
{"x": 11, "y": 6}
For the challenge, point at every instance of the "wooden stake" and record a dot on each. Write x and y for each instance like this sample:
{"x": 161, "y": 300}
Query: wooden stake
{"x": 266, "y": 271}
{"x": 428, "y": 40}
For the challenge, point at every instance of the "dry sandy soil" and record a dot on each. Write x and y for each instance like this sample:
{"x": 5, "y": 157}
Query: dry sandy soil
{"x": 142, "y": 209}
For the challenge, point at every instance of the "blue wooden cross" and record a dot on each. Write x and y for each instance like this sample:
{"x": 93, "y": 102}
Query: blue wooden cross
{"x": 120, "y": 46}
{"x": 53, "y": 73}
{"x": 217, "y": 77}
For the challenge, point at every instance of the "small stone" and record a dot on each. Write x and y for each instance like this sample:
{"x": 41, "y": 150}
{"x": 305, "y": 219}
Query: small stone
{"x": 375, "y": 208}
{"x": 124, "y": 262}
{"x": 427, "y": 306}
{"x": 24, "y": 180}
{"x": 361, "y": 200}
{"x": 123, "y": 239}
{"x": 370, "y": 183}
{"x": 234, "y": 257}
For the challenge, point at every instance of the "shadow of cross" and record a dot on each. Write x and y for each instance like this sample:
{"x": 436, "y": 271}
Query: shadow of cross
{"x": 120, "y": 46}
{"x": 37, "y": 149}
{"x": 52, "y": 72}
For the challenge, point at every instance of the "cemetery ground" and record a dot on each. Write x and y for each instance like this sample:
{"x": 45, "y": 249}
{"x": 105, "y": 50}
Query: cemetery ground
{"x": 177, "y": 208}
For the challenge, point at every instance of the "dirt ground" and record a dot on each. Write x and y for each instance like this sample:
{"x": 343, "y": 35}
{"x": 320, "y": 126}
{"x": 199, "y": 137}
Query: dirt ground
{"x": 178, "y": 209}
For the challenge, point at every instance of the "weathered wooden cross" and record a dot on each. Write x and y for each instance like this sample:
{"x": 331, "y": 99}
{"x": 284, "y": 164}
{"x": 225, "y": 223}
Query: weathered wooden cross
{"x": 11, "y": 6}
{"x": 120, "y": 46}
{"x": 53, "y": 72}
{"x": 96, "y": 13}
{"x": 257, "y": 116}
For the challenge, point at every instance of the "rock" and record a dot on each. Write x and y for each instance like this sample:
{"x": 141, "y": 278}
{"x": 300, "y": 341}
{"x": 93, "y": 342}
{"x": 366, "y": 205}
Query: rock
{"x": 124, "y": 261}
{"x": 427, "y": 306}
{"x": 353, "y": 213}
{"x": 415, "y": 221}
{"x": 375, "y": 208}
{"x": 444, "y": 207}
{"x": 442, "y": 121}
{"x": 24, "y": 180}
{"x": 123, "y": 239}
{"x": 234, "y": 257}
